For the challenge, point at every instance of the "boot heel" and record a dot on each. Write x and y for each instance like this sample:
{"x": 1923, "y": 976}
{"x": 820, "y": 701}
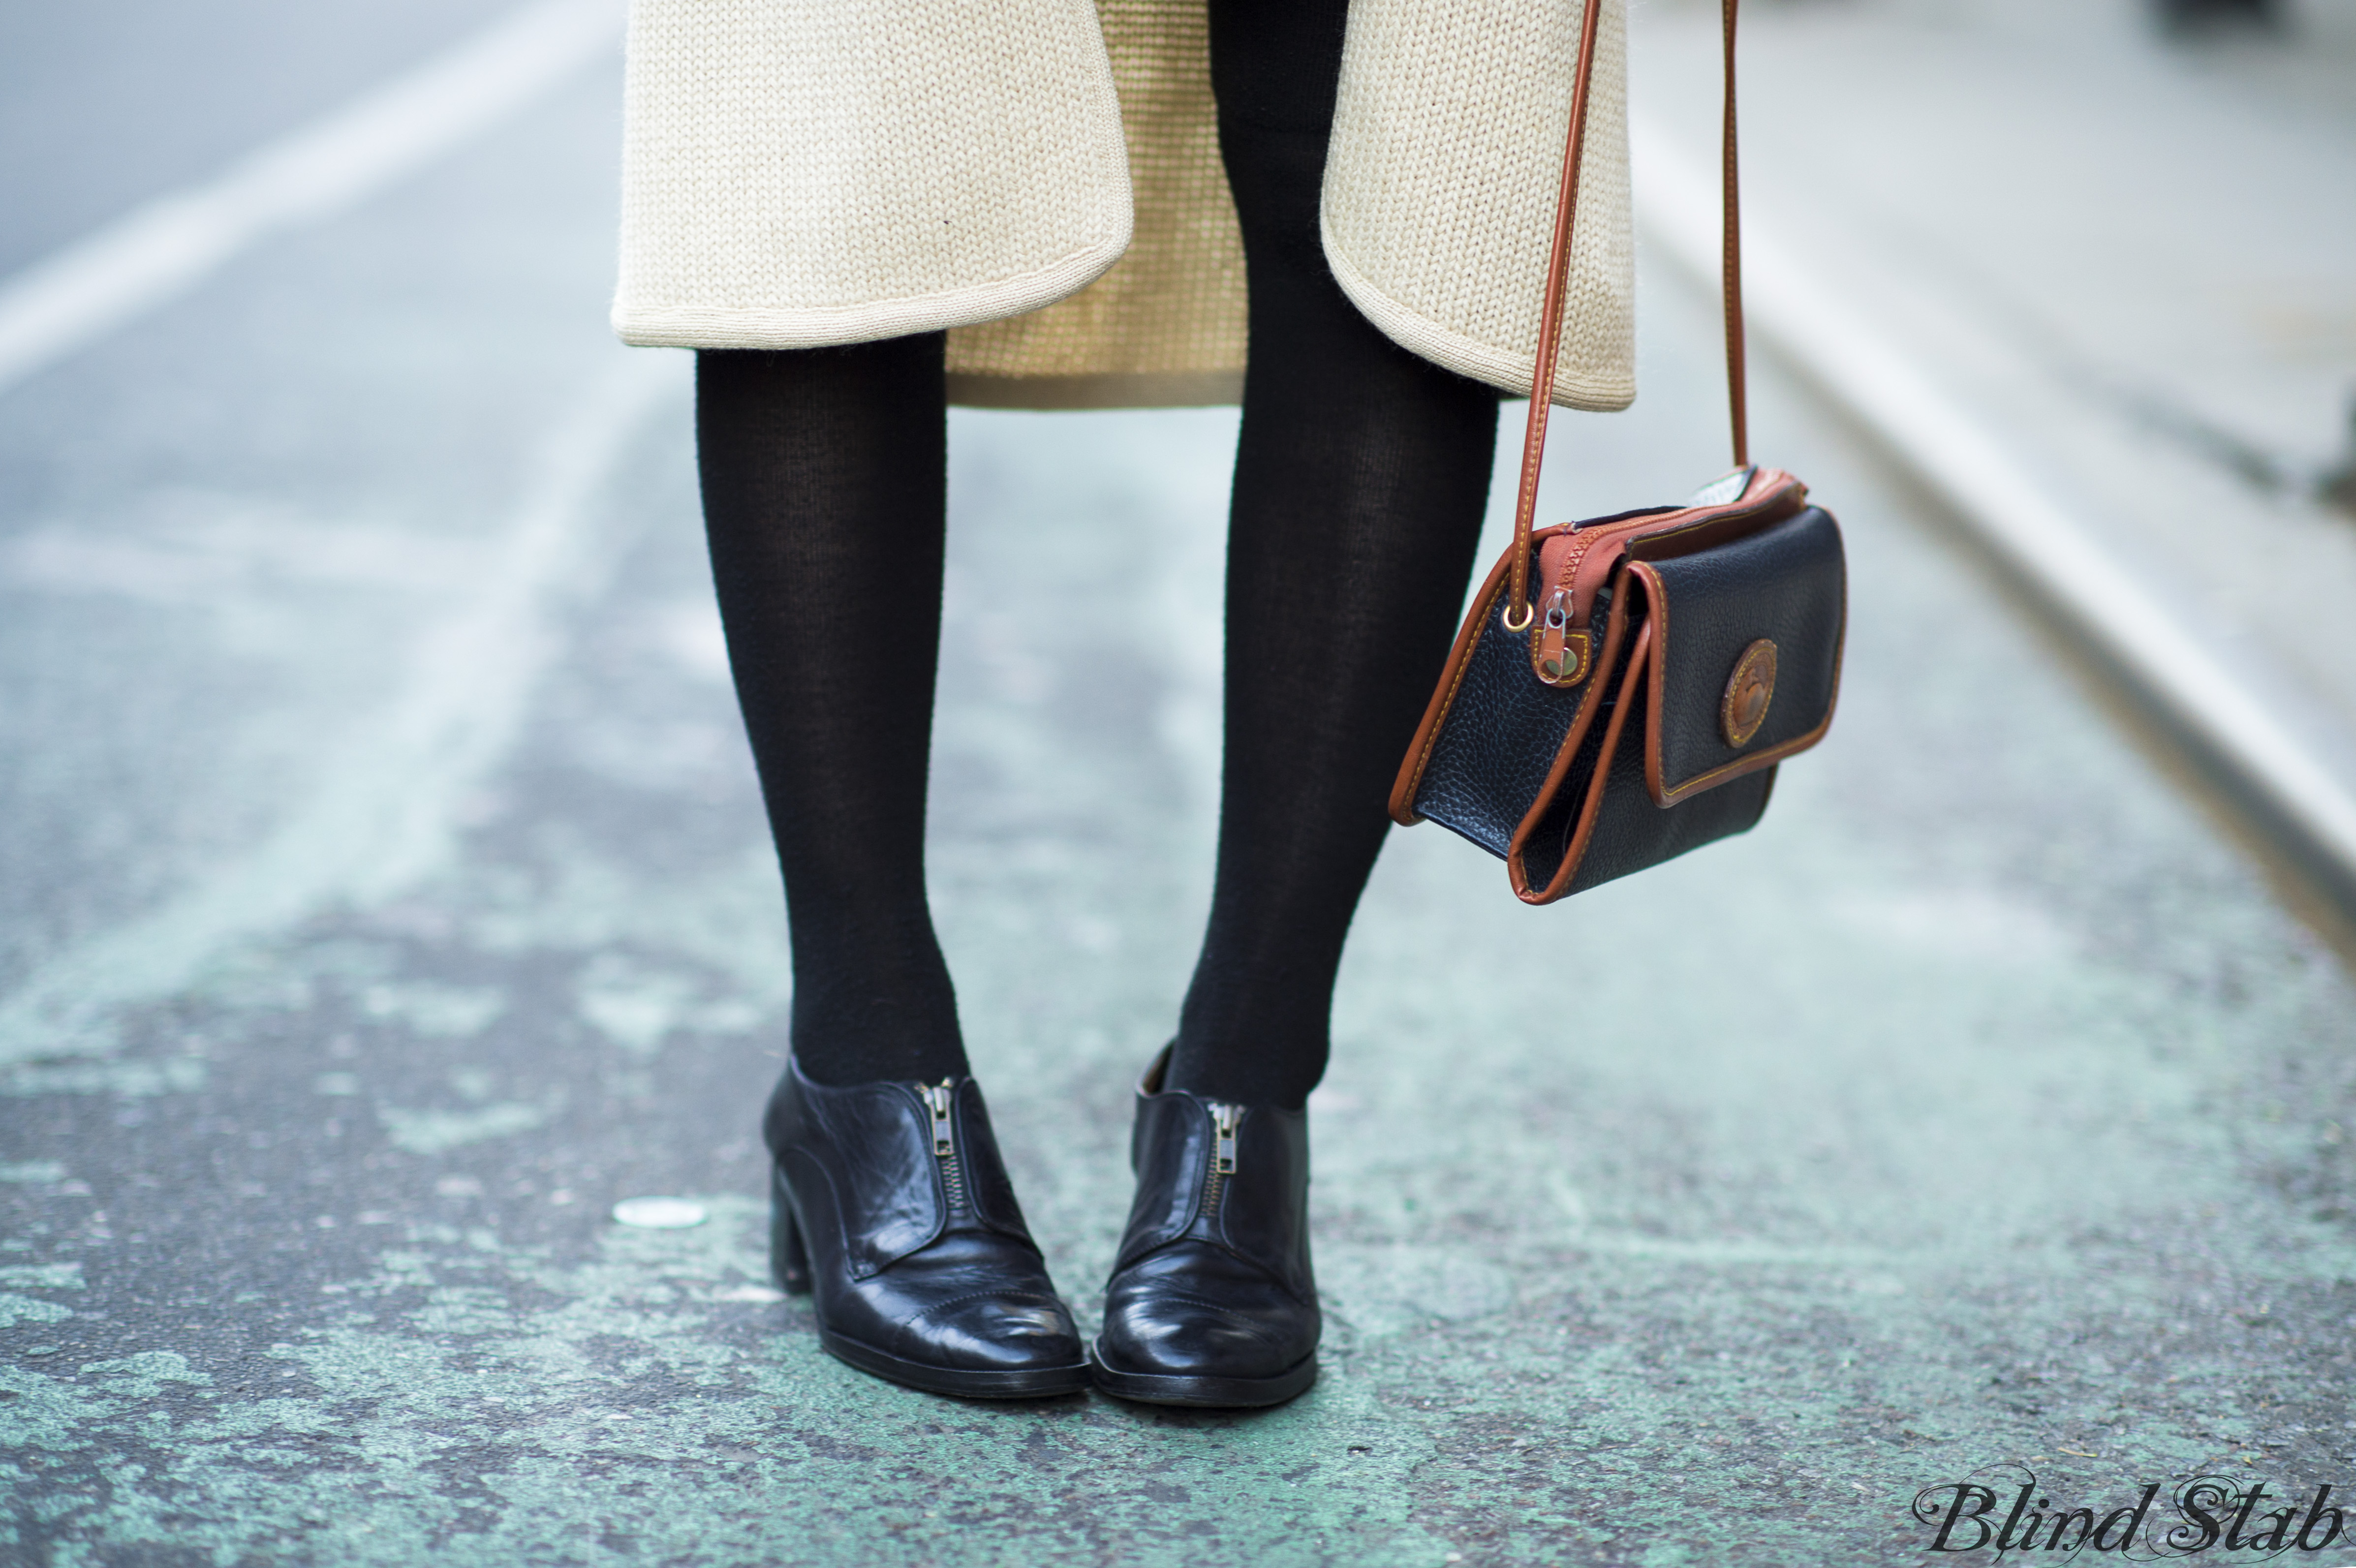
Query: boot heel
{"x": 967, "y": 1310}
{"x": 788, "y": 1264}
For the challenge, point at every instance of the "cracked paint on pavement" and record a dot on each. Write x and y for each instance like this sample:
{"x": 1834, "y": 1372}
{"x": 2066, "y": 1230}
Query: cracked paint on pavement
{"x": 1982, "y": 1107}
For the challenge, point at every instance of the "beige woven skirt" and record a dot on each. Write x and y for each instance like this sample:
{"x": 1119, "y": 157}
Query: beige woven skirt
{"x": 1042, "y": 178}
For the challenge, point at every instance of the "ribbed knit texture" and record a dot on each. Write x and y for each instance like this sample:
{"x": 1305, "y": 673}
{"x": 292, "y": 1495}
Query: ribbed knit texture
{"x": 1360, "y": 479}
{"x": 1441, "y": 193}
{"x": 807, "y": 173}
{"x": 1171, "y": 313}
{"x": 845, "y": 170}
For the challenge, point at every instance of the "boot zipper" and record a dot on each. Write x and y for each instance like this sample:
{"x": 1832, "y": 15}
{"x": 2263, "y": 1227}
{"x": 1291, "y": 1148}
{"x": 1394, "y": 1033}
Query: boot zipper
{"x": 945, "y": 1149}
{"x": 1223, "y": 1118}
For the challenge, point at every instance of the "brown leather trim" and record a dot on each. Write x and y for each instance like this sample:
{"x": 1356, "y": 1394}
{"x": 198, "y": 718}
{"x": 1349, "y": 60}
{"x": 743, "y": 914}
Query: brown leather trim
{"x": 1730, "y": 255}
{"x": 1754, "y": 672}
{"x": 1639, "y": 666}
{"x": 1596, "y": 552}
{"x": 1557, "y": 279}
{"x": 1573, "y": 660}
{"x": 1770, "y": 498}
{"x": 1568, "y": 553}
{"x": 1542, "y": 370}
{"x": 1443, "y": 695}
{"x": 1669, "y": 794}
{"x": 1585, "y": 556}
{"x": 1615, "y": 632}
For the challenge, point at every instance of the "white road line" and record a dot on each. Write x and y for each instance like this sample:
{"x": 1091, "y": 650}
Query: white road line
{"x": 385, "y": 815}
{"x": 161, "y": 249}
{"x": 2034, "y": 536}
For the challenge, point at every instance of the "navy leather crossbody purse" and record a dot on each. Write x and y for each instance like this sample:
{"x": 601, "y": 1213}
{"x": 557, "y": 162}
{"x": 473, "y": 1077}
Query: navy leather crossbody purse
{"x": 1624, "y": 688}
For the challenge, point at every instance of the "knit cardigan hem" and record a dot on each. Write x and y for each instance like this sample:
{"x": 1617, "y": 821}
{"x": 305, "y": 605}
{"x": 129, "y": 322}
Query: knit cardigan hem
{"x": 1511, "y": 373}
{"x": 868, "y": 321}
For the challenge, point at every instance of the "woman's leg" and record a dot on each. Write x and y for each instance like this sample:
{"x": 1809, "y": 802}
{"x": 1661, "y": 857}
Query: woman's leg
{"x": 823, "y": 478}
{"x": 1360, "y": 482}
{"x": 824, "y": 474}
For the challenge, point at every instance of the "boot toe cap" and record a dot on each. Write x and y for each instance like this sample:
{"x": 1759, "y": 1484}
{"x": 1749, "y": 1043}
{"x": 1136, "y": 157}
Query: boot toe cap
{"x": 1194, "y": 1310}
{"x": 994, "y": 1333}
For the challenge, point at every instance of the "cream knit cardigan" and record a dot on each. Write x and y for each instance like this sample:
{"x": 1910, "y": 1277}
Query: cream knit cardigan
{"x": 1042, "y": 178}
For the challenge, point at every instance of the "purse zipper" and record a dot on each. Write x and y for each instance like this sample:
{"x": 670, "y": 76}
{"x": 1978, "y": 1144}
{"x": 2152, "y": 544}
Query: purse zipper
{"x": 1561, "y": 655}
{"x": 945, "y": 1149}
{"x": 1223, "y": 1119}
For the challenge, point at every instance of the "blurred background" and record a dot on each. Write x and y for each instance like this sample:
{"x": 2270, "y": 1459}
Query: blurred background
{"x": 384, "y": 893}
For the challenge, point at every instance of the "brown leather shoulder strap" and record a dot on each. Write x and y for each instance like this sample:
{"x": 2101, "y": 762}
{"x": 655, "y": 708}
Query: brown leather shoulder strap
{"x": 1730, "y": 259}
{"x": 1519, "y": 610}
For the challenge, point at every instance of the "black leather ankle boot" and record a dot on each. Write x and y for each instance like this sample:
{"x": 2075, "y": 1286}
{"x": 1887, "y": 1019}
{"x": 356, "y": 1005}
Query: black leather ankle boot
{"x": 1210, "y": 1300}
{"x": 889, "y": 1204}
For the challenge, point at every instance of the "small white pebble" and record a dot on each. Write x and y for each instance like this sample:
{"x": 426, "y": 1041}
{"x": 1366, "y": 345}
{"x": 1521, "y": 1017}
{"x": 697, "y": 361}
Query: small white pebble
{"x": 658, "y": 1213}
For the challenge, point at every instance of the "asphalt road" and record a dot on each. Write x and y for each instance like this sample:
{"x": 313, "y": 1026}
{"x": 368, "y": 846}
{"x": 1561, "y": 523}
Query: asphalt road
{"x": 384, "y": 895}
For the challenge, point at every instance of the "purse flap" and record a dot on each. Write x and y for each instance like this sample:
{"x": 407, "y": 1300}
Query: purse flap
{"x": 1746, "y": 651}
{"x": 1574, "y": 561}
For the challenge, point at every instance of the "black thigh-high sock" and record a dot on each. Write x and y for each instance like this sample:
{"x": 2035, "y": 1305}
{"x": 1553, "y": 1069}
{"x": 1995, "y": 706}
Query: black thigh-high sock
{"x": 824, "y": 477}
{"x": 1361, "y": 477}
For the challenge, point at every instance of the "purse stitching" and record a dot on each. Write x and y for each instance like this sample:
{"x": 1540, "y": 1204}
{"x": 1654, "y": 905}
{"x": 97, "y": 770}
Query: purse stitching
{"x": 1583, "y": 837}
{"x": 1781, "y": 487}
{"x": 1726, "y": 773}
{"x": 1460, "y": 664}
{"x": 1517, "y": 870}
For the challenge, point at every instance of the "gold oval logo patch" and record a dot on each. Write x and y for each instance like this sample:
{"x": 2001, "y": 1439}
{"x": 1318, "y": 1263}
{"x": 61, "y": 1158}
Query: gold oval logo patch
{"x": 1748, "y": 692}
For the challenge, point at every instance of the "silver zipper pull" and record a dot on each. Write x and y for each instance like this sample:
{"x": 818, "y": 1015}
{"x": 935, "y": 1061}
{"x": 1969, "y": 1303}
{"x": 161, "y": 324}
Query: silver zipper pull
{"x": 936, "y": 1099}
{"x": 1558, "y": 653}
{"x": 1223, "y": 1118}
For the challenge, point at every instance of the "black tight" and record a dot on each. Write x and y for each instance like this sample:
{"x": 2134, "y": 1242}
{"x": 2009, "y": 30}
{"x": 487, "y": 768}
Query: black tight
{"x": 1360, "y": 480}
{"x": 824, "y": 473}
{"x": 1361, "y": 476}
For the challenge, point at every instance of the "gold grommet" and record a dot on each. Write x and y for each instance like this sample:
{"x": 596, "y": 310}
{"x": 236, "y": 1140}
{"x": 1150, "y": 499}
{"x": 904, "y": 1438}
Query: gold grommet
{"x": 1529, "y": 614}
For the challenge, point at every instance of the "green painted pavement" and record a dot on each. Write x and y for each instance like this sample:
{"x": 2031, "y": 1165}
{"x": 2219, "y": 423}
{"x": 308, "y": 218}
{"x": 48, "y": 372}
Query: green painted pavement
{"x": 1982, "y": 1108}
